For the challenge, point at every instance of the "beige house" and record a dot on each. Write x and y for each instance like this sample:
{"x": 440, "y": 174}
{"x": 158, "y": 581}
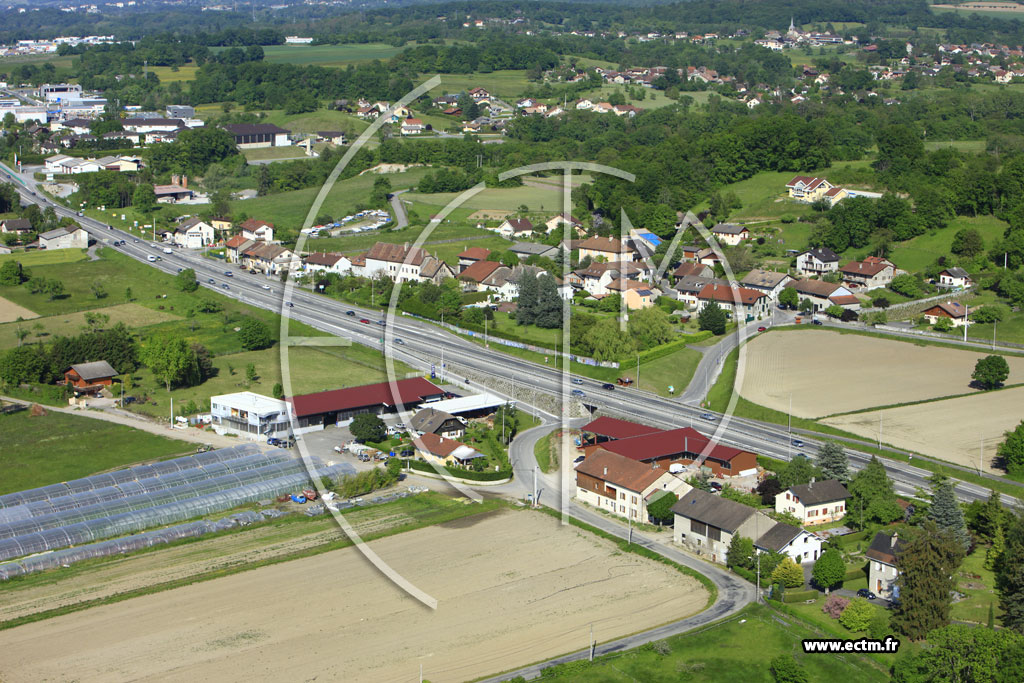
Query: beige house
{"x": 808, "y": 189}
{"x": 871, "y": 273}
{"x": 955, "y": 311}
{"x": 637, "y": 295}
{"x": 767, "y": 281}
{"x": 705, "y": 523}
{"x": 444, "y": 451}
{"x": 818, "y": 502}
{"x": 883, "y": 567}
{"x": 622, "y": 486}
{"x": 730, "y": 233}
{"x": 72, "y": 237}
{"x": 606, "y": 248}
{"x": 401, "y": 263}
{"x": 194, "y": 233}
{"x": 741, "y": 302}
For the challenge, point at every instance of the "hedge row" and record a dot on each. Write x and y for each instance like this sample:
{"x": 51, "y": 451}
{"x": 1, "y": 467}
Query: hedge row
{"x": 666, "y": 349}
{"x": 460, "y": 473}
{"x": 854, "y": 574}
{"x": 746, "y": 574}
{"x": 799, "y": 596}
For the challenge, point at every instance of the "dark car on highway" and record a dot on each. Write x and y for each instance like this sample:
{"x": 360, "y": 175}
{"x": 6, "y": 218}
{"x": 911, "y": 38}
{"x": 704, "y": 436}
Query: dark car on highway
{"x": 350, "y": 313}
{"x": 224, "y": 287}
{"x": 608, "y": 386}
{"x": 229, "y": 273}
{"x": 211, "y": 281}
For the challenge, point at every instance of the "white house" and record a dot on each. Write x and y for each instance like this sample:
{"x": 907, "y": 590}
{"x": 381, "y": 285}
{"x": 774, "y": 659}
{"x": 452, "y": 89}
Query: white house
{"x": 799, "y": 544}
{"x": 823, "y": 294}
{"x": 327, "y": 262}
{"x": 404, "y": 263}
{"x": 883, "y": 564}
{"x": 72, "y": 237}
{"x": 955, "y": 278}
{"x": 194, "y": 233}
{"x": 515, "y": 227}
{"x": 871, "y": 273}
{"x": 817, "y": 502}
{"x": 817, "y": 261}
{"x": 250, "y": 415}
{"x": 767, "y": 281}
{"x": 257, "y": 230}
{"x": 622, "y": 486}
{"x": 412, "y": 127}
{"x": 730, "y": 233}
{"x": 741, "y": 302}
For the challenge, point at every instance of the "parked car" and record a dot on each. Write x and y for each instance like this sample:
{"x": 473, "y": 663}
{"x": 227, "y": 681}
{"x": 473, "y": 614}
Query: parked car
{"x": 577, "y": 461}
{"x": 816, "y": 322}
{"x": 865, "y": 593}
{"x": 762, "y": 328}
{"x": 407, "y": 453}
{"x": 715, "y": 486}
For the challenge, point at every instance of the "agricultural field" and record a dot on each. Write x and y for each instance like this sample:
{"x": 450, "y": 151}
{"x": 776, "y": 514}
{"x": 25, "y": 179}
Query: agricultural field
{"x": 965, "y": 430}
{"x": 996, "y": 10}
{"x": 10, "y": 311}
{"x": 44, "y": 257}
{"x": 653, "y": 99}
{"x": 46, "y": 449}
{"x": 40, "y": 329}
{"x": 505, "y": 84}
{"x": 181, "y": 74}
{"x": 314, "y": 121}
{"x": 559, "y": 582}
{"x": 828, "y": 372}
{"x": 536, "y": 197}
{"x": 329, "y": 55}
{"x": 290, "y": 153}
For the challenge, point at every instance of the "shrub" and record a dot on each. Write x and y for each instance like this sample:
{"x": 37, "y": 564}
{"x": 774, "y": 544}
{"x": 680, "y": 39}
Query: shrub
{"x": 857, "y": 615}
{"x": 788, "y": 573}
{"x": 834, "y": 605}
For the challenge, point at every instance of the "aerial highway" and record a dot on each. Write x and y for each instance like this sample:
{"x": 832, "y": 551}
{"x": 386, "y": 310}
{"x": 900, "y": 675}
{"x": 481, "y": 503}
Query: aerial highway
{"x": 421, "y": 345}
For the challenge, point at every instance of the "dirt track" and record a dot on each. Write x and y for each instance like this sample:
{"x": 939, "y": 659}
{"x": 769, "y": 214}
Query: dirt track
{"x": 828, "y": 372}
{"x": 512, "y": 588}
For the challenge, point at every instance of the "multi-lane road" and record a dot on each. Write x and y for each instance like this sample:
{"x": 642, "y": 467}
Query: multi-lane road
{"x": 421, "y": 345}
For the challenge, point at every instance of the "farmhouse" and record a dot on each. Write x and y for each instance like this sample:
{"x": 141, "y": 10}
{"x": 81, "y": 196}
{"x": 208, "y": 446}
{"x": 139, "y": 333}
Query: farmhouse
{"x": 250, "y": 415}
{"x": 431, "y": 421}
{"x": 807, "y": 189}
{"x": 730, "y": 233}
{"x": 339, "y": 406}
{"x": 767, "y": 281}
{"x": 412, "y": 126}
{"x": 194, "y": 233}
{"x": 683, "y": 446}
{"x": 255, "y": 135}
{"x": 871, "y": 273}
{"x": 172, "y": 194}
{"x": 16, "y": 226}
{"x": 622, "y": 486}
{"x": 883, "y": 564}
{"x": 89, "y": 378}
{"x": 823, "y": 294}
{"x": 742, "y": 303}
{"x": 475, "y": 274}
{"x": 955, "y": 278}
{"x": 443, "y": 451}
{"x": 818, "y": 502}
{"x": 817, "y": 261}
{"x": 257, "y": 230}
{"x": 515, "y": 227}
{"x": 72, "y": 237}
{"x": 955, "y": 311}
{"x": 404, "y": 263}
{"x": 471, "y": 256}
{"x": 705, "y": 523}
{"x": 562, "y": 219}
{"x": 799, "y": 544}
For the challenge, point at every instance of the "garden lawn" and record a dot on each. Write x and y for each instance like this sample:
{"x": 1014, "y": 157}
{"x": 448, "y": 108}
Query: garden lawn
{"x": 315, "y": 121}
{"x": 675, "y": 369}
{"x": 916, "y": 254}
{"x": 311, "y": 369}
{"x": 688, "y": 657}
{"x": 980, "y": 592}
{"x": 446, "y": 240}
{"x": 58, "y": 447}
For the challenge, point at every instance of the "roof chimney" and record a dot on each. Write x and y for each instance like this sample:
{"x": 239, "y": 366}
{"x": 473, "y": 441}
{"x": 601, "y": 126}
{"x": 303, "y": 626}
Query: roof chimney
{"x": 892, "y": 541}
{"x": 184, "y": 181}
{"x": 606, "y": 471}
{"x": 811, "y": 484}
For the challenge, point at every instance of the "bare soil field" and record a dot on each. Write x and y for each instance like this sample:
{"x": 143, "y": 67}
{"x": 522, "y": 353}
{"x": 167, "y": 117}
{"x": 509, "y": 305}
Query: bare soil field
{"x": 951, "y": 430}
{"x": 512, "y": 587}
{"x": 985, "y": 6}
{"x": 829, "y": 372}
{"x": 10, "y": 311}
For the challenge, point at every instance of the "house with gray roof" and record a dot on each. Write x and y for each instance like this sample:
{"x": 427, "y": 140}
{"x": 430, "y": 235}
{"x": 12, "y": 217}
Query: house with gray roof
{"x": 767, "y": 281}
{"x": 799, "y": 544}
{"x": 817, "y": 502}
{"x": 525, "y": 250}
{"x": 431, "y": 421}
{"x": 705, "y": 523}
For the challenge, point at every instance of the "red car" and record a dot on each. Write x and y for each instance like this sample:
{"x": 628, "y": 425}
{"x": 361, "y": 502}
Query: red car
{"x": 364, "y": 321}
{"x": 762, "y": 329}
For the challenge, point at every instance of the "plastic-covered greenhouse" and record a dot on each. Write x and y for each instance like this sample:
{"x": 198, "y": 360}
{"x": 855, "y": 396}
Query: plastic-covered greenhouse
{"x": 63, "y": 558}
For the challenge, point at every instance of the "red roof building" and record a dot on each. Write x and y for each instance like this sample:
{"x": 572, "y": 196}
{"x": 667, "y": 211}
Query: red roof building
{"x": 613, "y": 428}
{"x": 683, "y": 446}
{"x": 341, "y": 405}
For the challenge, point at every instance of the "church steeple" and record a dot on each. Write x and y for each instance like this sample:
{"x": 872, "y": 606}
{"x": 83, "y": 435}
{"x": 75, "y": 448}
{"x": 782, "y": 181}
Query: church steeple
{"x": 792, "y": 26}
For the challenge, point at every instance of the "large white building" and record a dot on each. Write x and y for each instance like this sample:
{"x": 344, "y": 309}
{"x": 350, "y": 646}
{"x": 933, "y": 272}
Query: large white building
{"x": 250, "y": 415}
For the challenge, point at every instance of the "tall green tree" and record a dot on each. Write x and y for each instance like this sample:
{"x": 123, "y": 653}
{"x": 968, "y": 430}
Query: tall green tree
{"x": 186, "y": 280}
{"x": 170, "y": 359}
{"x": 788, "y": 573}
{"x": 990, "y": 372}
{"x": 1010, "y": 575}
{"x": 928, "y": 561}
{"x": 1011, "y": 451}
{"x": 712, "y": 318}
{"x": 829, "y": 569}
{"x": 872, "y": 497}
{"x": 798, "y": 471}
{"x": 740, "y": 553}
{"x": 368, "y": 427}
{"x": 945, "y": 510}
{"x": 789, "y": 297}
{"x": 255, "y": 334}
{"x": 833, "y": 461}
{"x": 959, "y": 652}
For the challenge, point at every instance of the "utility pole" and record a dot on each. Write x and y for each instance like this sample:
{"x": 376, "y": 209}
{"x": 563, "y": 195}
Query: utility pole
{"x": 591, "y": 642}
{"x": 966, "y": 311}
{"x": 880, "y": 430}
{"x": 535, "y": 487}
{"x": 789, "y": 440}
{"x": 638, "y": 371}
{"x": 629, "y": 541}
{"x": 994, "y": 323}
{"x": 981, "y": 451}
{"x": 172, "y": 411}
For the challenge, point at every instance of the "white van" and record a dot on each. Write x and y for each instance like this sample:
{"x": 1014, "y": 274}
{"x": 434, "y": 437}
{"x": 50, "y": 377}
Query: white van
{"x": 168, "y": 250}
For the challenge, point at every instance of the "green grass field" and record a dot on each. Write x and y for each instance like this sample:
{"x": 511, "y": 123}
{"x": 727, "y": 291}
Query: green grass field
{"x": 971, "y": 146}
{"x": 329, "y": 55}
{"x": 44, "y": 257}
{"x": 40, "y": 329}
{"x": 688, "y": 657}
{"x": 546, "y": 199}
{"x": 288, "y": 209}
{"x": 310, "y": 369}
{"x": 545, "y": 453}
{"x": 992, "y": 13}
{"x": 263, "y": 153}
{"x": 653, "y": 99}
{"x": 505, "y": 84}
{"x": 57, "y": 447}
{"x": 167, "y": 74}
{"x": 917, "y": 253}
{"x": 315, "y": 121}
